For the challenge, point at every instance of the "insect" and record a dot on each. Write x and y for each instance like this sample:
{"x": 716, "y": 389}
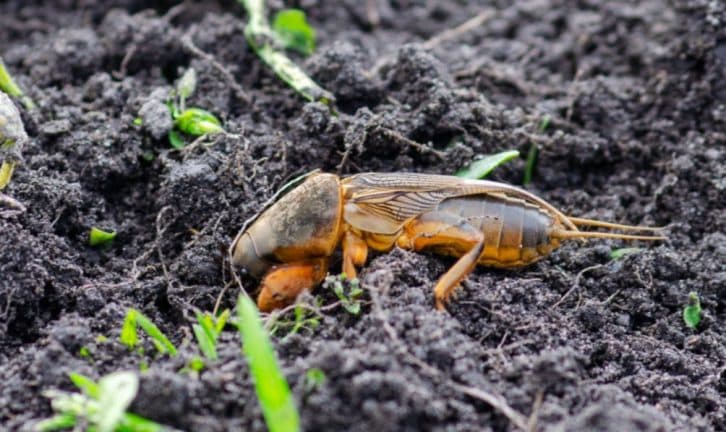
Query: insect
{"x": 290, "y": 244}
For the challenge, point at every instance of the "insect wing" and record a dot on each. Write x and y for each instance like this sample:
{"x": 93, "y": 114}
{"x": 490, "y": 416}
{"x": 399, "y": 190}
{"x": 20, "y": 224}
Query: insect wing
{"x": 383, "y": 202}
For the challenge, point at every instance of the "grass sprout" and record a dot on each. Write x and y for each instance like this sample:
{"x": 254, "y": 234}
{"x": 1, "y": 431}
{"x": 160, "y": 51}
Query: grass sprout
{"x": 304, "y": 317}
{"x": 347, "y": 290}
{"x": 207, "y": 332}
{"x": 314, "y": 378}
{"x": 100, "y": 407}
{"x": 130, "y": 338}
{"x": 99, "y": 237}
{"x": 481, "y": 168}
{"x": 692, "y": 312}
{"x": 192, "y": 121}
{"x": 9, "y": 86}
{"x": 272, "y": 389}
{"x": 534, "y": 152}
{"x": 268, "y": 45}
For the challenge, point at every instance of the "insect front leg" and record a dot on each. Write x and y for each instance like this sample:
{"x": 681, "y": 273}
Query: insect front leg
{"x": 355, "y": 253}
{"x": 448, "y": 234}
{"x": 283, "y": 283}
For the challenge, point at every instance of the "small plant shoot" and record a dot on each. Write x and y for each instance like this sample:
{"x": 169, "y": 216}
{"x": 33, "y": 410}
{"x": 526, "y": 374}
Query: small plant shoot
{"x": 272, "y": 389}
{"x": 347, "y": 291}
{"x": 314, "y": 378}
{"x": 191, "y": 121}
{"x": 481, "y": 168}
{"x": 621, "y": 252}
{"x": 100, "y": 407}
{"x": 267, "y": 43}
{"x": 99, "y": 237}
{"x": 692, "y": 312}
{"x": 9, "y": 86}
{"x": 294, "y": 31}
{"x": 129, "y": 336}
{"x": 534, "y": 152}
{"x": 207, "y": 332}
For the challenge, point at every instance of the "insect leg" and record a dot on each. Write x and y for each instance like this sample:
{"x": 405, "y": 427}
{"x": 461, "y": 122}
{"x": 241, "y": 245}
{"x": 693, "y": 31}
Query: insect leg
{"x": 283, "y": 283}
{"x": 450, "y": 234}
{"x": 355, "y": 253}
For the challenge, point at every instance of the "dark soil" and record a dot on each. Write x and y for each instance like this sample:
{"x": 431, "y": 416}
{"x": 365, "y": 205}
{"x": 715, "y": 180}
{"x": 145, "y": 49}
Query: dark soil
{"x": 636, "y": 94}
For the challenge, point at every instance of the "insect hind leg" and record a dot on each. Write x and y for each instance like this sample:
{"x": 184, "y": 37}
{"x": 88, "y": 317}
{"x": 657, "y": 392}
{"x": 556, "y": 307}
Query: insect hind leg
{"x": 451, "y": 234}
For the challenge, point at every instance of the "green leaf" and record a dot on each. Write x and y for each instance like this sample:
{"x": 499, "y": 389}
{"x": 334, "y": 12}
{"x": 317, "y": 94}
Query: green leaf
{"x": 138, "y": 121}
{"x": 545, "y": 123}
{"x": 57, "y": 422}
{"x": 87, "y": 385}
{"x": 206, "y": 342}
{"x": 99, "y": 237}
{"x": 129, "y": 335}
{"x": 221, "y": 322}
{"x": 196, "y": 364}
{"x": 482, "y": 167}
{"x": 314, "y": 377}
{"x": 692, "y": 312}
{"x": 117, "y": 391}
{"x": 176, "y": 140}
{"x": 161, "y": 342}
{"x": 6, "y": 173}
{"x": 272, "y": 389}
{"x": 84, "y": 352}
{"x": 197, "y": 122}
{"x": 8, "y": 85}
{"x": 619, "y": 253}
{"x": 294, "y": 32}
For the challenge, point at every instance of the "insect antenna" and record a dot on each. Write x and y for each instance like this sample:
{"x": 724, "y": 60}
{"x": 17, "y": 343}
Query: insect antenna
{"x": 610, "y": 225}
{"x": 563, "y": 234}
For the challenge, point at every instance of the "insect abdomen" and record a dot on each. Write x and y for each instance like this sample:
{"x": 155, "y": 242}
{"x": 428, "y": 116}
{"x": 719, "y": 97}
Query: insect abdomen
{"x": 515, "y": 233}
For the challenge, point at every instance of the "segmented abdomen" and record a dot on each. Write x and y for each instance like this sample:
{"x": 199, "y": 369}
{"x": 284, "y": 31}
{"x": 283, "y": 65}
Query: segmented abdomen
{"x": 515, "y": 233}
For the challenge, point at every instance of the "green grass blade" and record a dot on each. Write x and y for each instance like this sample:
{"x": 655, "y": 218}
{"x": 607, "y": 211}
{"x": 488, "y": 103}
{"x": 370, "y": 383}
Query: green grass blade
{"x": 129, "y": 337}
{"x": 205, "y": 341}
{"x": 531, "y": 164}
{"x": 483, "y": 167}
{"x": 134, "y": 423}
{"x": 117, "y": 391}
{"x": 221, "y": 322}
{"x": 57, "y": 422}
{"x": 87, "y": 385}
{"x": 621, "y": 252}
{"x": 272, "y": 389}
{"x": 162, "y": 343}
{"x": 9, "y": 86}
{"x": 6, "y": 173}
